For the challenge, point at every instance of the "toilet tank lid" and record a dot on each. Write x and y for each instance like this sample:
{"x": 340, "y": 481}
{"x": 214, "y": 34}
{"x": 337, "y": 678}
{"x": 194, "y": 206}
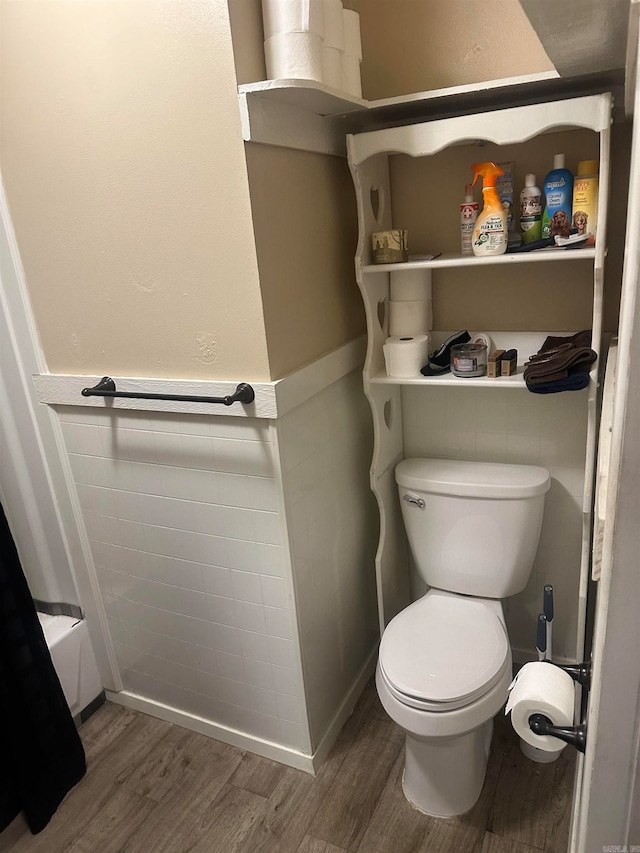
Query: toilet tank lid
{"x": 473, "y": 479}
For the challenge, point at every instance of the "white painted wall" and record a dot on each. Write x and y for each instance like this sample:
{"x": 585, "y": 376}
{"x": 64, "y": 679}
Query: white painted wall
{"x": 332, "y": 520}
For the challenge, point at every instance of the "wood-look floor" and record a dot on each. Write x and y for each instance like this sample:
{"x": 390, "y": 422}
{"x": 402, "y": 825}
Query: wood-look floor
{"x": 152, "y": 787}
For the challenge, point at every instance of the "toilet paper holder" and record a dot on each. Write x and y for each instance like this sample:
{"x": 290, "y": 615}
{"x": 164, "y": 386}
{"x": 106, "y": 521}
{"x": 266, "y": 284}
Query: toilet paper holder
{"x": 573, "y": 735}
{"x": 580, "y": 672}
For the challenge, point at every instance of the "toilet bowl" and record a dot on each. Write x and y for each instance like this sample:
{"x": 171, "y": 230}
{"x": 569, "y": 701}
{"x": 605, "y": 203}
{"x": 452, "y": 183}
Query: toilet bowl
{"x": 443, "y": 671}
{"x": 445, "y": 664}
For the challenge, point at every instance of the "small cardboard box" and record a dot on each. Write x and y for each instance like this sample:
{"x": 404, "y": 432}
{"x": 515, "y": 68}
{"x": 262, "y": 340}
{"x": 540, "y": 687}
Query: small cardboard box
{"x": 493, "y": 363}
{"x": 508, "y": 365}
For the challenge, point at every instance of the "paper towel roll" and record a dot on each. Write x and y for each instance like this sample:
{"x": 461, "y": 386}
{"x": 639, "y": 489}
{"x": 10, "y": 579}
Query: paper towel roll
{"x": 332, "y": 67}
{"x": 409, "y": 285}
{"x": 352, "y": 43}
{"x": 541, "y": 688}
{"x": 333, "y": 24}
{"x": 351, "y": 80}
{"x": 292, "y": 16}
{"x": 404, "y": 356}
{"x": 297, "y": 55}
{"x": 413, "y": 317}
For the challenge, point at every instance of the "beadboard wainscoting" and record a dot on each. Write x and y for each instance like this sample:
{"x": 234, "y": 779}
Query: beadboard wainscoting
{"x": 529, "y": 429}
{"x": 326, "y": 446}
{"x": 232, "y": 557}
{"x": 184, "y": 519}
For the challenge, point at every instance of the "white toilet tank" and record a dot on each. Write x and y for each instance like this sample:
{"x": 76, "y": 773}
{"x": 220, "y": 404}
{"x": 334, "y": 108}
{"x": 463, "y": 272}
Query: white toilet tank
{"x": 473, "y": 527}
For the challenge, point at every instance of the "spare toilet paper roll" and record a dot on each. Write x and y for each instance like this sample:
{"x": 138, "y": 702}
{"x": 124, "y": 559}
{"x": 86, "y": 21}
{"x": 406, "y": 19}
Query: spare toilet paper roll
{"x": 413, "y": 317}
{"x": 351, "y": 80}
{"x": 332, "y": 67}
{"x": 292, "y": 16}
{"x": 409, "y": 285}
{"x": 297, "y": 55}
{"x": 541, "y": 688}
{"x": 352, "y": 43}
{"x": 404, "y": 356}
{"x": 333, "y": 24}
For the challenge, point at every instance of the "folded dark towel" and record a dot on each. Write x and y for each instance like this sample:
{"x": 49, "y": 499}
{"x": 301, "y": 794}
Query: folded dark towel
{"x": 580, "y": 339}
{"x": 572, "y": 382}
{"x": 556, "y": 364}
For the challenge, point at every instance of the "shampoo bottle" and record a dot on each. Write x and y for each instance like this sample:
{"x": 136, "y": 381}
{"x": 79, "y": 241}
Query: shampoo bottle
{"x": 558, "y": 191}
{"x": 468, "y": 216}
{"x": 531, "y": 210}
{"x": 490, "y": 231}
{"x": 585, "y": 199}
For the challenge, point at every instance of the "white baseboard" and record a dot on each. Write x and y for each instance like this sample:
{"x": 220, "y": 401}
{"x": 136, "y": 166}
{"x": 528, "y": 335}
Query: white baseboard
{"x": 243, "y": 740}
{"x": 266, "y": 748}
{"x": 345, "y": 710}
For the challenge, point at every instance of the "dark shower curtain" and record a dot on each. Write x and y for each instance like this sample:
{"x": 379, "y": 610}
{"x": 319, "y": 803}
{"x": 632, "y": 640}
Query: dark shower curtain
{"x": 41, "y": 755}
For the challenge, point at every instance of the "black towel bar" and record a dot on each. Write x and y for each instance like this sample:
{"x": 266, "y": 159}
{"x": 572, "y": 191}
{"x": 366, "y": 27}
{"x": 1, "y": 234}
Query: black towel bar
{"x": 107, "y": 388}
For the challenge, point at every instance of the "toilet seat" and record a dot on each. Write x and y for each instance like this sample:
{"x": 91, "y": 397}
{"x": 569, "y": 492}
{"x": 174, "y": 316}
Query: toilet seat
{"x": 443, "y": 652}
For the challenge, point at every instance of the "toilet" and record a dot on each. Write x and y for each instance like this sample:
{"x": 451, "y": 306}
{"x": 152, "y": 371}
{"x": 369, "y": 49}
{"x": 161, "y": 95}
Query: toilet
{"x": 445, "y": 661}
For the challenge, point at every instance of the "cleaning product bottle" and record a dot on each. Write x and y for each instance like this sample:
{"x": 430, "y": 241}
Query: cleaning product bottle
{"x": 468, "y": 216}
{"x": 558, "y": 191}
{"x": 490, "y": 230}
{"x": 585, "y": 199}
{"x": 531, "y": 210}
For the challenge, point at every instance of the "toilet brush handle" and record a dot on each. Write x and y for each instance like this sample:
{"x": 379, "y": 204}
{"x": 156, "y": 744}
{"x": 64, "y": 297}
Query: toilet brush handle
{"x": 547, "y": 607}
{"x": 541, "y": 637}
{"x": 573, "y": 735}
{"x": 547, "y": 602}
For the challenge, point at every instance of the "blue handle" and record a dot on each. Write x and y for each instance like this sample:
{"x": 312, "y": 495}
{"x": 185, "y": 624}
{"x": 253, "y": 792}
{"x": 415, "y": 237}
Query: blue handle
{"x": 541, "y": 633}
{"x": 547, "y": 602}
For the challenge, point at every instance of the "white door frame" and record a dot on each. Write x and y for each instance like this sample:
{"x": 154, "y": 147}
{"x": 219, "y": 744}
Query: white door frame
{"x": 37, "y": 486}
{"x": 607, "y": 800}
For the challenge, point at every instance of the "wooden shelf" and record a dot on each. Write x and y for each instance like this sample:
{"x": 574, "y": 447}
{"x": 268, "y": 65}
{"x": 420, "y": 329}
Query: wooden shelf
{"x": 307, "y": 95}
{"x": 450, "y": 259}
{"x": 448, "y": 379}
{"x": 307, "y": 115}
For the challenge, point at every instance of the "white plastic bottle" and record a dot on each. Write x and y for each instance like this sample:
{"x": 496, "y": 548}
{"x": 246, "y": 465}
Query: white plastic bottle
{"x": 531, "y": 210}
{"x": 468, "y": 216}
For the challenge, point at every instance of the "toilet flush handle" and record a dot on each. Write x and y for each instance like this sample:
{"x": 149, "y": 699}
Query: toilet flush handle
{"x": 415, "y": 501}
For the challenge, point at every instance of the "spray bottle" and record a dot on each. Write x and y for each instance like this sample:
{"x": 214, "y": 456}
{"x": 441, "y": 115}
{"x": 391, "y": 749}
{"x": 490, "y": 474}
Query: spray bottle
{"x": 468, "y": 216}
{"x": 490, "y": 232}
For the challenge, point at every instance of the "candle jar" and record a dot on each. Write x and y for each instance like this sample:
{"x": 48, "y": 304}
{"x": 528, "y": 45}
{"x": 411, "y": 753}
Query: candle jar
{"x": 469, "y": 360}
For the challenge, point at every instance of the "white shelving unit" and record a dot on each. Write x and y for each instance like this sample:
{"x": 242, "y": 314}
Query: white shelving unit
{"x": 452, "y": 260}
{"x": 514, "y": 381}
{"x": 308, "y": 115}
{"x": 368, "y": 155}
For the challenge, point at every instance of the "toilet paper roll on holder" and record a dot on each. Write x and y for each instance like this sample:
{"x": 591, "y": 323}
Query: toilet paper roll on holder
{"x": 573, "y": 735}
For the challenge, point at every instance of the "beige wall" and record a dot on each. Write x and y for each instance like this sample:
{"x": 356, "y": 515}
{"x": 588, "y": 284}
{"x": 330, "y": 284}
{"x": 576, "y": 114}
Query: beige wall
{"x": 426, "y": 200}
{"x": 416, "y": 45}
{"x": 124, "y": 168}
{"x": 123, "y": 162}
{"x": 304, "y": 216}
